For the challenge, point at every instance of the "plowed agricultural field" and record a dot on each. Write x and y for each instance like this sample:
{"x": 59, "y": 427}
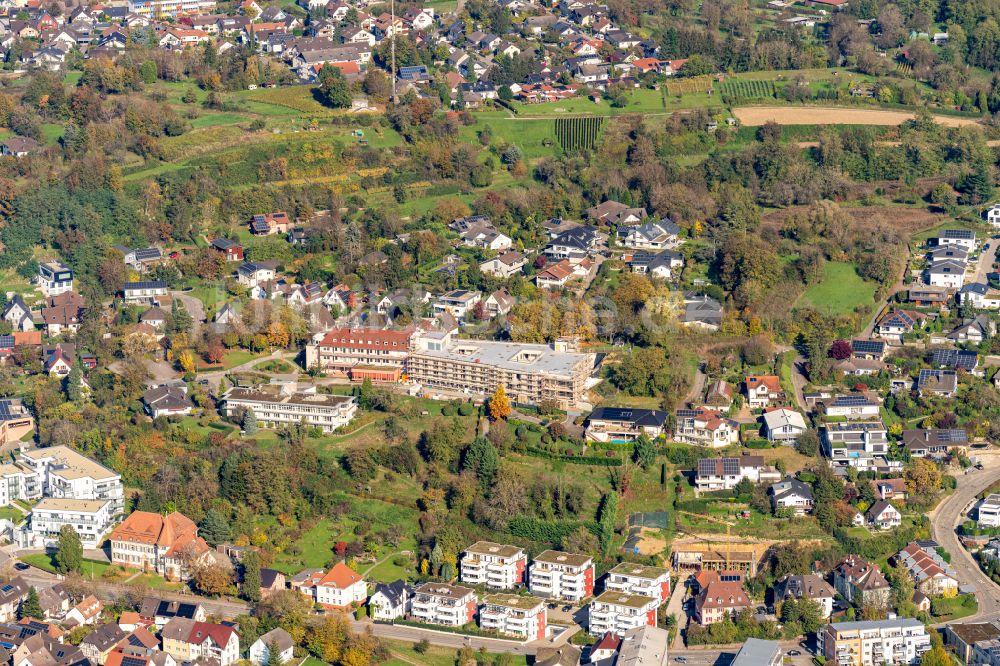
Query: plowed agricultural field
{"x": 819, "y": 115}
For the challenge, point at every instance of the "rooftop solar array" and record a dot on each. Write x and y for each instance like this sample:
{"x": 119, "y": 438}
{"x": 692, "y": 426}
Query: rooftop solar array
{"x": 851, "y": 401}
{"x": 149, "y": 284}
{"x": 868, "y": 346}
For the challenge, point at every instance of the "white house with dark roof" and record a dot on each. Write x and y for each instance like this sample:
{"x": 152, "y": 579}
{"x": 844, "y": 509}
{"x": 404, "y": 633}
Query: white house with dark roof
{"x": 660, "y": 235}
{"x": 167, "y": 401}
{"x": 390, "y": 601}
{"x": 791, "y": 494}
{"x": 964, "y": 238}
{"x": 624, "y": 424}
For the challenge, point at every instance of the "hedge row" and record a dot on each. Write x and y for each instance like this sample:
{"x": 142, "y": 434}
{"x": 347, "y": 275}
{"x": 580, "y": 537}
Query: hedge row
{"x": 581, "y": 460}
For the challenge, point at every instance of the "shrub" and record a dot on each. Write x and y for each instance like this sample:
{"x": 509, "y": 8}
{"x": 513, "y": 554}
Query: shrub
{"x": 466, "y": 409}
{"x": 448, "y": 410}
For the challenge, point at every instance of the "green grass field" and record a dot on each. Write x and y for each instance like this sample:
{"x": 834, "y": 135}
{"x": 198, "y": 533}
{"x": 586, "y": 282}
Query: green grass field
{"x": 840, "y": 291}
{"x": 215, "y": 119}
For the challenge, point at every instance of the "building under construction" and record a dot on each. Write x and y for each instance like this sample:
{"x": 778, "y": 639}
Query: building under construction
{"x": 697, "y": 558}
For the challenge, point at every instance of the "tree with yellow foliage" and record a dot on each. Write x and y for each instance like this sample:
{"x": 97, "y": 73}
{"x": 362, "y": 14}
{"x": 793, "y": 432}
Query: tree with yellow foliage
{"x": 277, "y": 334}
{"x": 186, "y": 361}
{"x": 499, "y": 404}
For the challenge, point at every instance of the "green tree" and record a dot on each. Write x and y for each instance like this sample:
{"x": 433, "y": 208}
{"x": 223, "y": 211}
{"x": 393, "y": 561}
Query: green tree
{"x": 31, "y": 607}
{"x": 482, "y": 458}
{"x": 334, "y": 90}
{"x": 251, "y": 579}
{"x": 180, "y": 318}
{"x": 74, "y": 381}
{"x": 936, "y": 657}
{"x": 644, "y": 453}
{"x": 148, "y": 72}
{"x": 249, "y": 423}
{"x": 214, "y": 528}
{"x": 607, "y": 521}
{"x": 274, "y": 655}
{"x": 69, "y": 551}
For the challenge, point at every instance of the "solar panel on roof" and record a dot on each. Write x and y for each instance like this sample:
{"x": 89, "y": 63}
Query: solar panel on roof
{"x": 730, "y": 466}
{"x": 851, "y": 401}
{"x": 686, "y": 413}
{"x": 868, "y": 346}
{"x": 133, "y": 661}
{"x": 260, "y": 225}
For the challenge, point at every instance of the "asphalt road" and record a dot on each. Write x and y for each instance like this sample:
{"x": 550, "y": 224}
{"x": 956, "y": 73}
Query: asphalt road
{"x": 946, "y": 517}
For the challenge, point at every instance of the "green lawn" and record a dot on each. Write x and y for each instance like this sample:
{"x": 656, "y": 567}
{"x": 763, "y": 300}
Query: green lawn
{"x": 11, "y": 514}
{"x": 948, "y": 610}
{"x": 44, "y": 561}
{"x": 840, "y": 291}
{"x": 437, "y": 656}
{"x": 218, "y": 119}
{"x": 52, "y": 132}
{"x": 237, "y": 357}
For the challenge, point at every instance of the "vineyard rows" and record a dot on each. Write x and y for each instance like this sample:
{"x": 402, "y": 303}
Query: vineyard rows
{"x": 738, "y": 91}
{"x": 578, "y": 133}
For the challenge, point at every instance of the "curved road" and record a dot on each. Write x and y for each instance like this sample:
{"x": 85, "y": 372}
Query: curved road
{"x": 947, "y": 516}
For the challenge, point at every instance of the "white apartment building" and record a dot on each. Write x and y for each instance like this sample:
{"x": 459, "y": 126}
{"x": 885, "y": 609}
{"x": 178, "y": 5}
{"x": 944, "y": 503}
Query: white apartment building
{"x": 440, "y": 603}
{"x": 457, "y": 303}
{"x": 494, "y": 565}
{"x": 90, "y": 518}
{"x": 873, "y": 642}
{"x": 158, "y": 9}
{"x": 275, "y": 405}
{"x": 63, "y": 473}
{"x": 148, "y": 291}
{"x": 639, "y": 579}
{"x": 514, "y": 615}
{"x": 17, "y": 482}
{"x": 54, "y": 278}
{"x": 705, "y": 427}
{"x": 988, "y": 514}
{"x": 618, "y": 612}
{"x": 554, "y": 574}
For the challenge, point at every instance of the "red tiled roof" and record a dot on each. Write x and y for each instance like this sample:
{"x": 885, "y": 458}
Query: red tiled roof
{"x": 367, "y": 338}
{"x": 340, "y": 576}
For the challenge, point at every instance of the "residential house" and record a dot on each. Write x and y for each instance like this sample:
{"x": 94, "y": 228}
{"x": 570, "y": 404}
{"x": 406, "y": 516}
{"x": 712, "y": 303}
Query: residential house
{"x": 271, "y": 581}
{"x": 862, "y": 445}
{"x": 340, "y": 588}
{"x": 278, "y": 639}
{"x": 705, "y": 427}
{"x": 624, "y": 424}
{"x": 889, "y": 489}
{"x": 726, "y": 473}
{"x": 62, "y": 312}
{"x": 270, "y": 223}
{"x": 19, "y": 146}
{"x": 763, "y": 390}
{"x": 757, "y": 652}
{"x": 12, "y": 594}
{"x": 988, "y": 512}
{"x": 721, "y": 594}
{"x": 720, "y": 394}
{"x": 167, "y": 401}
{"x": 559, "y": 575}
{"x": 504, "y": 265}
{"x": 963, "y": 238}
{"x": 898, "y": 323}
{"x": 16, "y": 423}
{"x": 979, "y": 296}
{"x": 955, "y": 359}
{"x": 555, "y": 276}
{"x": 701, "y": 311}
{"x": 935, "y": 382}
{"x": 883, "y": 516}
{"x": 98, "y": 644}
{"x": 574, "y": 244}
{"x": 440, "y": 603}
{"x": 458, "y": 303}
{"x": 254, "y": 274}
{"x": 974, "y": 331}
{"x": 85, "y": 613}
{"x": 807, "y": 586}
{"x": 493, "y": 565}
{"x": 159, "y": 612}
{"x": 499, "y": 303}
{"x": 662, "y": 235}
{"x": 390, "y": 601}
{"x": 514, "y": 615}
{"x": 934, "y": 442}
{"x": 782, "y": 424}
{"x": 948, "y": 274}
{"x": 661, "y": 265}
{"x": 861, "y": 582}
{"x": 18, "y": 314}
{"x": 854, "y": 406}
{"x": 189, "y": 641}
{"x": 54, "y": 278}
{"x": 791, "y": 495}
{"x": 924, "y": 296}
{"x": 931, "y": 573}
{"x": 231, "y": 250}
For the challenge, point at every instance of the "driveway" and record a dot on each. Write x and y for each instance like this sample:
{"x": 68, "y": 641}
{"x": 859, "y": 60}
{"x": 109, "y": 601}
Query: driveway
{"x": 194, "y": 307}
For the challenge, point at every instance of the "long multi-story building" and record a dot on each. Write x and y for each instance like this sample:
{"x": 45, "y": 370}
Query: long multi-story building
{"x": 617, "y": 612}
{"x": 159, "y": 9}
{"x": 168, "y": 545}
{"x": 494, "y": 565}
{"x": 277, "y": 405}
{"x": 529, "y": 373}
{"x": 62, "y": 473}
{"x": 514, "y": 615}
{"x": 561, "y": 575}
{"x": 440, "y": 603}
{"x": 874, "y": 642}
{"x": 639, "y": 579}
{"x": 362, "y": 353}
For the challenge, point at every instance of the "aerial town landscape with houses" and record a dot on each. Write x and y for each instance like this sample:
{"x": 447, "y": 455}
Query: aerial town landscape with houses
{"x": 499, "y": 332}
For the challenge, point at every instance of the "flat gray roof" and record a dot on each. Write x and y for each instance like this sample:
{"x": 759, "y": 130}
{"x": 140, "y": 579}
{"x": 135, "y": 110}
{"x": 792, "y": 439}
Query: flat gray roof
{"x": 511, "y": 356}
